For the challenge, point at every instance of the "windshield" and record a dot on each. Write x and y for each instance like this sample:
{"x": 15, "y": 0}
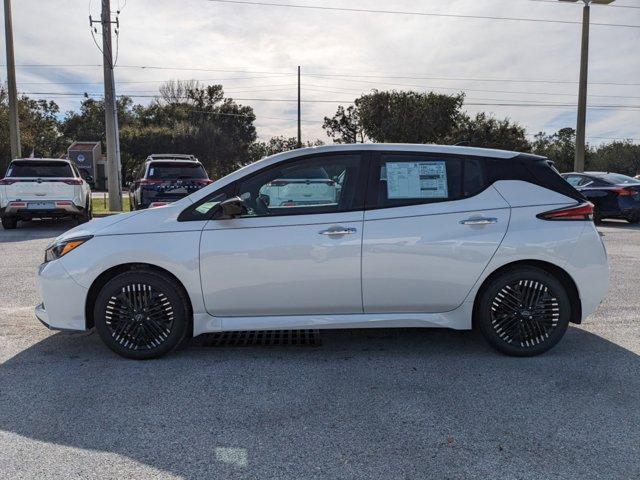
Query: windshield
{"x": 618, "y": 179}
{"x": 39, "y": 169}
{"x": 176, "y": 170}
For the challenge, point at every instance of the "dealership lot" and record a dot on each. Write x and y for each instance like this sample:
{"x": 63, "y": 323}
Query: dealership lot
{"x": 364, "y": 404}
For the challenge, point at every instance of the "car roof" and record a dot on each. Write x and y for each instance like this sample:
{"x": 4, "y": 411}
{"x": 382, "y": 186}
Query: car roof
{"x": 172, "y": 156}
{"x": 408, "y": 147}
{"x": 65, "y": 160}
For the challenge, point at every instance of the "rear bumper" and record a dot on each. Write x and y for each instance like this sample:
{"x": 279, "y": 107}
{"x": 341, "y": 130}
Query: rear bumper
{"x": 23, "y": 212}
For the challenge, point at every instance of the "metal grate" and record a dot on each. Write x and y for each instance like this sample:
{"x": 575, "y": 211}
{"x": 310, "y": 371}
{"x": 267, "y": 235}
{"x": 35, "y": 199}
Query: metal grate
{"x": 263, "y": 338}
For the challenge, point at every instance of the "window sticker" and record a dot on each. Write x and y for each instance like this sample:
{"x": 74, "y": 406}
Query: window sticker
{"x": 151, "y": 172}
{"x": 416, "y": 180}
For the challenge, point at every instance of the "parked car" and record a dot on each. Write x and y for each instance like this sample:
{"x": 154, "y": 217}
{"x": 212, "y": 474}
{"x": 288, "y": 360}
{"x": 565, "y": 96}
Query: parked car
{"x": 43, "y": 188}
{"x": 612, "y": 194}
{"x": 417, "y": 236}
{"x": 165, "y": 178}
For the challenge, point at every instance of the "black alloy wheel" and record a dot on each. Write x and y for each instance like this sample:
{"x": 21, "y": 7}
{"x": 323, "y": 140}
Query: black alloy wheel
{"x": 524, "y": 312}
{"x": 141, "y": 314}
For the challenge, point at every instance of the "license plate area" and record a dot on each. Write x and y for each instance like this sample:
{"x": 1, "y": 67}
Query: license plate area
{"x": 41, "y": 206}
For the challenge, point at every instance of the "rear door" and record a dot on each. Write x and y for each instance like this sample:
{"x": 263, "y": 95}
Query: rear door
{"x": 40, "y": 180}
{"x": 431, "y": 226}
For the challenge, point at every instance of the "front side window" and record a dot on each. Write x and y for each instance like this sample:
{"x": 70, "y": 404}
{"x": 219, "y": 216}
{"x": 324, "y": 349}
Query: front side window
{"x": 309, "y": 185}
{"x": 39, "y": 169}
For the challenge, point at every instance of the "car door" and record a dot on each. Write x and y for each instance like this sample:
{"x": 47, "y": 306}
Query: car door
{"x": 297, "y": 250}
{"x": 431, "y": 225}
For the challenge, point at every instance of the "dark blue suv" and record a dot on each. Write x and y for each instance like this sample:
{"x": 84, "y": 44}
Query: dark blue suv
{"x": 165, "y": 178}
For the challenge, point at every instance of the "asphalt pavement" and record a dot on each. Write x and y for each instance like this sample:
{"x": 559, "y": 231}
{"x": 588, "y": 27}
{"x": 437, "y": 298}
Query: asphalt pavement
{"x": 379, "y": 404}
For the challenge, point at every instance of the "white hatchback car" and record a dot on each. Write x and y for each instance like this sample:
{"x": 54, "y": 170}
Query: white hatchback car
{"x": 43, "y": 188}
{"x": 417, "y": 236}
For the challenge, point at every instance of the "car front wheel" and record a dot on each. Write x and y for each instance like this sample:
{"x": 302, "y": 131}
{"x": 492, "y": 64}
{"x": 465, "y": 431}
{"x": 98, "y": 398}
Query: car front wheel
{"x": 524, "y": 311}
{"x": 141, "y": 314}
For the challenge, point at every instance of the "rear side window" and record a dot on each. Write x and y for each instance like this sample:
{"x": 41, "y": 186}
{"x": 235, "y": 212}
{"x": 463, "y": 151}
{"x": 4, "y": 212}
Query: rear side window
{"x": 39, "y": 169}
{"x": 176, "y": 171}
{"x": 619, "y": 179}
{"x": 409, "y": 179}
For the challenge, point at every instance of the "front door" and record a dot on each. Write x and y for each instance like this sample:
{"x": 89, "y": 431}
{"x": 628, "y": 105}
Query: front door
{"x": 431, "y": 227}
{"x": 297, "y": 250}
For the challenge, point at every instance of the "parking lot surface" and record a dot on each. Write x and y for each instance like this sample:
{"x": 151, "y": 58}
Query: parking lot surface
{"x": 379, "y": 404}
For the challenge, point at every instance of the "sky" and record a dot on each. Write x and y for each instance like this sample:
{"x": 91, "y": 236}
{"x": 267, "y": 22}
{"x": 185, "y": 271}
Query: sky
{"x": 254, "y": 50}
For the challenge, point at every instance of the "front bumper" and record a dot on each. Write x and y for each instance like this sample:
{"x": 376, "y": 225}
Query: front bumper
{"x": 64, "y": 298}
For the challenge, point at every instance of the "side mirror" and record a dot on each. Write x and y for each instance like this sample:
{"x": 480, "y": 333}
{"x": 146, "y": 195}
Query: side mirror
{"x": 232, "y": 207}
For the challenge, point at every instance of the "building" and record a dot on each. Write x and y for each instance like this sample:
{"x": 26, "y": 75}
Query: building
{"x": 90, "y": 160}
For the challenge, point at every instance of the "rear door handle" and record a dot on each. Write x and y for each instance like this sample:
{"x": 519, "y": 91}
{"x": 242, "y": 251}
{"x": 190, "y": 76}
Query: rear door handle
{"x": 479, "y": 221}
{"x": 334, "y": 231}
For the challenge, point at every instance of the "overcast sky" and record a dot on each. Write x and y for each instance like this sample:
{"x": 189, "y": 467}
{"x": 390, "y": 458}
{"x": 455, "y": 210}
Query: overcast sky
{"x": 254, "y": 51}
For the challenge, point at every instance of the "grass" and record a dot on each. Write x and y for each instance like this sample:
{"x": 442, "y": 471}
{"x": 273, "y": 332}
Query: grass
{"x": 101, "y": 204}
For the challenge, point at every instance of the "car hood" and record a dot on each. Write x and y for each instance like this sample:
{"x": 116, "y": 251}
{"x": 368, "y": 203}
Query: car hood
{"x": 96, "y": 226}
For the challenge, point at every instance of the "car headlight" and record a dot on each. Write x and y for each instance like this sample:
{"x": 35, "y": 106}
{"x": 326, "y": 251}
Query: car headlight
{"x": 60, "y": 249}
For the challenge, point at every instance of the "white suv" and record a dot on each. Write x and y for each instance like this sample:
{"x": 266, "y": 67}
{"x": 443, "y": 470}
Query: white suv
{"x": 43, "y": 188}
{"x": 411, "y": 236}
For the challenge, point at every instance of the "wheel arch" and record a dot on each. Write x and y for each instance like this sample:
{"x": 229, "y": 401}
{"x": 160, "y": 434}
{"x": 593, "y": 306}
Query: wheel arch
{"x": 110, "y": 273}
{"x": 561, "y": 274}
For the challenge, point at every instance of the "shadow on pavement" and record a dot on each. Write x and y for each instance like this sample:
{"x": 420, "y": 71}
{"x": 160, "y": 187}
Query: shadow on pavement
{"x": 373, "y": 404}
{"x": 36, "y": 229}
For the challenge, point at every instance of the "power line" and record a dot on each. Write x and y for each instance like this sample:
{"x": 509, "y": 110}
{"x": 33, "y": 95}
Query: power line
{"x": 285, "y": 100}
{"x": 609, "y": 6}
{"x": 422, "y": 14}
{"x": 324, "y": 74}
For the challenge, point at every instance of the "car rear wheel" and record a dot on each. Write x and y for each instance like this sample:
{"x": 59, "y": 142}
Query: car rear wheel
{"x": 524, "y": 311}
{"x": 634, "y": 218}
{"x": 9, "y": 223}
{"x": 141, "y": 314}
{"x": 87, "y": 214}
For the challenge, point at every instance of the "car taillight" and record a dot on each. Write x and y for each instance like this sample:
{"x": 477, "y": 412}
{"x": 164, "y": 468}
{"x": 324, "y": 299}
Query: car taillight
{"x": 63, "y": 203}
{"x": 204, "y": 182}
{"x": 73, "y": 181}
{"x": 150, "y": 182}
{"x": 6, "y": 181}
{"x": 623, "y": 192}
{"x": 158, "y": 204}
{"x": 582, "y": 211}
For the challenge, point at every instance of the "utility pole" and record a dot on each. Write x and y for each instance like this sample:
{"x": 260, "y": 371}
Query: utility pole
{"x": 299, "y": 111}
{"x": 114, "y": 169}
{"x": 582, "y": 91}
{"x": 581, "y": 126}
{"x": 14, "y": 123}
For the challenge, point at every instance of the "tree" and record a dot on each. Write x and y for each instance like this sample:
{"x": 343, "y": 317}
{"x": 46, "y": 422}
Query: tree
{"x": 39, "y": 128}
{"x": 276, "y": 145}
{"x": 618, "y": 156}
{"x": 560, "y": 147}
{"x": 488, "y": 132}
{"x": 345, "y": 126}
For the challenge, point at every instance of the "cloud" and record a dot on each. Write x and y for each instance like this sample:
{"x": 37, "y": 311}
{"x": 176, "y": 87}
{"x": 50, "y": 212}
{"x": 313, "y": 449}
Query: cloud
{"x": 202, "y": 34}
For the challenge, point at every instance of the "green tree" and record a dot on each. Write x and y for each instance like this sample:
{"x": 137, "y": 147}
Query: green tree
{"x": 40, "y": 132}
{"x": 488, "y": 132}
{"x": 345, "y": 126}
{"x": 275, "y": 145}
{"x": 560, "y": 147}
{"x": 618, "y": 156}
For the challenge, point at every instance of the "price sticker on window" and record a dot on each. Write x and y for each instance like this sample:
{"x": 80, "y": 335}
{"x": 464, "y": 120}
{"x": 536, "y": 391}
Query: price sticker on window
{"x": 416, "y": 180}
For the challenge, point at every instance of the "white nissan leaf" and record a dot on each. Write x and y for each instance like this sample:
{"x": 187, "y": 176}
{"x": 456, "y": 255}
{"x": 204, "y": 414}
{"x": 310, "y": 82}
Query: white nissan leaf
{"x": 385, "y": 236}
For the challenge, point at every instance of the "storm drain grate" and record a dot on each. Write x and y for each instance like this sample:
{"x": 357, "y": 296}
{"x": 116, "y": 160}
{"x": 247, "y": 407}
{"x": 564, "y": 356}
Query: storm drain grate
{"x": 266, "y": 338}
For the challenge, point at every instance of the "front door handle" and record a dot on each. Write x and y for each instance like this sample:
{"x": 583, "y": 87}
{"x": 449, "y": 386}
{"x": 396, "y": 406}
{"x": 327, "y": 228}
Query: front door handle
{"x": 479, "y": 221}
{"x": 338, "y": 231}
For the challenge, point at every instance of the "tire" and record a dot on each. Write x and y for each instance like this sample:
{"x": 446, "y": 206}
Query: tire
{"x": 597, "y": 216}
{"x": 123, "y": 303}
{"x": 524, "y": 311}
{"x": 87, "y": 214}
{"x": 9, "y": 223}
{"x": 633, "y": 218}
